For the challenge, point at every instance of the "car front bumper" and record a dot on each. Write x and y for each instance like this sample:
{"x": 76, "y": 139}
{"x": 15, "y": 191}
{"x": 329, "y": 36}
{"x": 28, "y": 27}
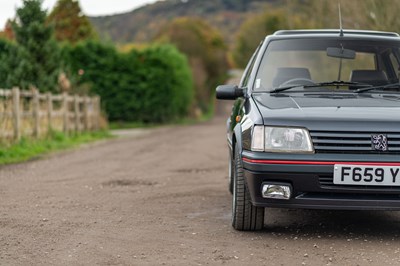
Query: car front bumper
{"x": 311, "y": 180}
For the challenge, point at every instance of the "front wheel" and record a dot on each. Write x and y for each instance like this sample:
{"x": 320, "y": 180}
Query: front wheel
{"x": 245, "y": 216}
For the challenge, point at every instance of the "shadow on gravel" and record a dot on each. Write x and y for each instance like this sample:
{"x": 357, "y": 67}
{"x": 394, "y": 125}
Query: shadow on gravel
{"x": 337, "y": 224}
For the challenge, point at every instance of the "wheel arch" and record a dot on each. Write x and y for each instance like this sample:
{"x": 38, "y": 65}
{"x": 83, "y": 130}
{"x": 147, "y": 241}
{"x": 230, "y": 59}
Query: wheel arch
{"x": 237, "y": 138}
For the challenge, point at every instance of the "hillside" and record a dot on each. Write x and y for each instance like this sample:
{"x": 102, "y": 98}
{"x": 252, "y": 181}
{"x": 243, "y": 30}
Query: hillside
{"x": 141, "y": 25}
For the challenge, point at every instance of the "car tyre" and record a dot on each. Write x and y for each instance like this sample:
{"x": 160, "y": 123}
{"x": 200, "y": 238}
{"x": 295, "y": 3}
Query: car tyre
{"x": 245, "y": 216}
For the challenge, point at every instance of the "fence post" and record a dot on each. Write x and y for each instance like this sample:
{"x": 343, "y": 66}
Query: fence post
{"x": 97, "y": 112}
{"x": 76, "y": 109}
{"x": 16, "y": 116}
{"x": 65, "y": 112}
{"x": 49, "y": 112}
{"x": 36, "y": 112}
{"x": 86, "y": 102}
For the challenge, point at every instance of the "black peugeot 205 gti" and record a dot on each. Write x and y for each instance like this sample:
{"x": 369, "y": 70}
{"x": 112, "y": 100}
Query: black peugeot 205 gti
{"x": 316, "y": 124}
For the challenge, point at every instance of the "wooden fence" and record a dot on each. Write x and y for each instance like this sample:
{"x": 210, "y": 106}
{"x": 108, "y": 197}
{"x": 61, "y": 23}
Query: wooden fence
{"x": 30, "y": 113}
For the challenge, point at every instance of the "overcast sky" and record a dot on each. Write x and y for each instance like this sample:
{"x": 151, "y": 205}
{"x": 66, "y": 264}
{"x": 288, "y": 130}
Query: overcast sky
{"x": 89, "y": 7}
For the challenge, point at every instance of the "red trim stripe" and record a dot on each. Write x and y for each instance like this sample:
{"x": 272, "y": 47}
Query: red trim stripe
{"x": 315, "y": 162}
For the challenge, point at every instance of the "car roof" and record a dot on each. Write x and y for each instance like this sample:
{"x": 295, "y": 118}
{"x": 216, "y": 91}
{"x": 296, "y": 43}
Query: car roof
{"x": 329, "y": 33}
{"x": 337, "y": 31}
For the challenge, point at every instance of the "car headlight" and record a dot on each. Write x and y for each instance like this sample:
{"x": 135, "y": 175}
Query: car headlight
{"x": 281, "y": 139}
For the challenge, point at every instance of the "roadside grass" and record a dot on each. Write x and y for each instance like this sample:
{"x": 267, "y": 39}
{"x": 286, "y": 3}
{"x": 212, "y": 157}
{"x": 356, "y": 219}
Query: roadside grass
{"x": 27, "y": 148}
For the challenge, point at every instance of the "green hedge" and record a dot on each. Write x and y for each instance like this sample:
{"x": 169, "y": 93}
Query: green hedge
{"x": 153, "y": 85}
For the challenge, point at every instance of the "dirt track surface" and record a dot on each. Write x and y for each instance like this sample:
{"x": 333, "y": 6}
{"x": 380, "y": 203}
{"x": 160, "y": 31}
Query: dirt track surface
{"x": 160, "y": 198}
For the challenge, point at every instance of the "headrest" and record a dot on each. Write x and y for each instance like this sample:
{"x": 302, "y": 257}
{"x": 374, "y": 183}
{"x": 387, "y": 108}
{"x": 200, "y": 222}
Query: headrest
{"x": 373, "y": 77}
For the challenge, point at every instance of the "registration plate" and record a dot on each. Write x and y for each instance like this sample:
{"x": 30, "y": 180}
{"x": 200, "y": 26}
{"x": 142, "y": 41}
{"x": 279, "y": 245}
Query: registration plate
{"x": 366, "y": 175}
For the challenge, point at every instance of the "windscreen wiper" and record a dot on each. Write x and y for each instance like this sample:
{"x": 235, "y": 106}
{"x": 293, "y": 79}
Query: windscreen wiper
{"x": 279, "y": 89}
{"x": 336, "y": 83}
{"x": 382, "y": 87}
{"x": 343, "y": 83}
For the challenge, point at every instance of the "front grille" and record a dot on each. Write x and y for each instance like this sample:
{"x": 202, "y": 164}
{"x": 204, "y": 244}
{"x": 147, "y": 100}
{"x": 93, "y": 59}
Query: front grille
{"x": 326, "y": 180}
{"x": 352, "y": 142}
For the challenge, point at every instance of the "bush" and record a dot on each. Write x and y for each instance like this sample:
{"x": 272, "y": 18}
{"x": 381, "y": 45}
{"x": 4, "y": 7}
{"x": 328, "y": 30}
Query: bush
{"x": 151, "y": 86}
{"x": 167, "y": 87}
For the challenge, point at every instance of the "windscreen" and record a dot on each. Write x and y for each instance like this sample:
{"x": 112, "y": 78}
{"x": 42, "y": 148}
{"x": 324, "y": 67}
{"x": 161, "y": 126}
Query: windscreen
{"x": 306, "y": 61}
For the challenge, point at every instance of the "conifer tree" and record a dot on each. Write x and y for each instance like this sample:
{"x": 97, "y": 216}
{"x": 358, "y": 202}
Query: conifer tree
{"x": 38, "y": 54}
{"x": 69, "y": 22}
{"x": 8, "y": 63}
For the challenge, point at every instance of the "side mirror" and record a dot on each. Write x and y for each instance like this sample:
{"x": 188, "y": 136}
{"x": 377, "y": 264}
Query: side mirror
{"x": 229, "y": 92}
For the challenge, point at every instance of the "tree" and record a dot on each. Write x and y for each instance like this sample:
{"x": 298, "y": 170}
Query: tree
{"x": 8, "y": 63}
{"x": 69, "y": 22}
{"x": 356, "y": 14}
{"x": 206, "y": 51}
{"x": 8, "y": 31}
{"x": 38, "y": 54}
{"x": 253, "y": 31}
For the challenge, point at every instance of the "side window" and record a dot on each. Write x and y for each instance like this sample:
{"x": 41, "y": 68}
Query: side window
{"x": 395, "y": 65}
{"x": 249, "y": 67}
{"x": 390, "y": 64}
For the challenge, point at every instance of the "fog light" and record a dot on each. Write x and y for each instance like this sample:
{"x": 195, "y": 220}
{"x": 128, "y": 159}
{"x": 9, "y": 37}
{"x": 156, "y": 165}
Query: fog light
{"x": 274, "y": 191}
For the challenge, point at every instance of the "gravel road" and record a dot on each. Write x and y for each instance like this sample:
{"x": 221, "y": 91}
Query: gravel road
{"x": 160, "y": 198}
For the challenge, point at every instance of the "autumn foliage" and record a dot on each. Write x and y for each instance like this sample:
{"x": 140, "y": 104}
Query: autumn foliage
{"x": 252, "y": 32}
{"x": 69, "y": 22}
{"x": 8, "y": 32}
{"x": 206, "y": 51}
